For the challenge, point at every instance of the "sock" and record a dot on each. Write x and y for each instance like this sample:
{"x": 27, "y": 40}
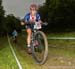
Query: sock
{"x": 28, "y": 45}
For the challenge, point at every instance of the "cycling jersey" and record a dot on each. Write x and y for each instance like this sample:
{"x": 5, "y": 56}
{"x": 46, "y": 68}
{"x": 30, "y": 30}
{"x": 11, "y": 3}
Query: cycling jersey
{"x": 28, "y": 17}
{"x": 14, "y": 33}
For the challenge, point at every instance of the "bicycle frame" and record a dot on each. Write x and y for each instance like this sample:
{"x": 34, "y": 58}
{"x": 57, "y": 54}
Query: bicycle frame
{"x": 33, "y": 33}
{"x": 34, "y": 46}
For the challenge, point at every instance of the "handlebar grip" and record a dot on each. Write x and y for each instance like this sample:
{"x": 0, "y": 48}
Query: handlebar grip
{"x": 45, "y": 24}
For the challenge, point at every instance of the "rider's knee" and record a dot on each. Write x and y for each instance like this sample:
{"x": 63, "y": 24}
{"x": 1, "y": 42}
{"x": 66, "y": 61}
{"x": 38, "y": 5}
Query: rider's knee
{"x": 29, "y": 31}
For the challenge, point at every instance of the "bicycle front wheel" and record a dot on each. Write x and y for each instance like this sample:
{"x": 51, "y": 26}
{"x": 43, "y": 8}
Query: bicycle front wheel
{"x": 40, "y": 47}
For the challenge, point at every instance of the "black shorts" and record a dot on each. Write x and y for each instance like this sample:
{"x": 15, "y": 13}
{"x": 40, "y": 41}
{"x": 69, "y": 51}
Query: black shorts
{"x": 29, "y": 26}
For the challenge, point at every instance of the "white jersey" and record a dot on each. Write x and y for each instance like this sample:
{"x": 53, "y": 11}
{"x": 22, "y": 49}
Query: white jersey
{"x": 33, "y": 18}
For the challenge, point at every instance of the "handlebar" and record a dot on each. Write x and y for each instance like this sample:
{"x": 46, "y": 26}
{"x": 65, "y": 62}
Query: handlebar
{"x": 45, "y": 24}
{"x": 33, "y": 23}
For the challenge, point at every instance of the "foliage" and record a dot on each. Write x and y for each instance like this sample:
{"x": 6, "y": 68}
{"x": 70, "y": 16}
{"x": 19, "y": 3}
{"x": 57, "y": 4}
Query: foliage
{"x": 8, "y": 23}
{"x": 2, "y": 12}
{"x": 12, "y": 23}
{"x": 60, "y": 14}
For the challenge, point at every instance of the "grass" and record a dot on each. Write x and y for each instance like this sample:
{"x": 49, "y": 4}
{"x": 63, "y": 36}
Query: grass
{"x": 61, "y": 53}
{"x": 64, "y": 34}
{"x": 7, "y": 60}
{"x": 25, "y": 59}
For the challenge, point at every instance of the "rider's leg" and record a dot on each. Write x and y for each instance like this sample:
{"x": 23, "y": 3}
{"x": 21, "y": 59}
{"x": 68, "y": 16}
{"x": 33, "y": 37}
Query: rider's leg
{"x": 29, "y": 40}
{"x": 29, "y": 37}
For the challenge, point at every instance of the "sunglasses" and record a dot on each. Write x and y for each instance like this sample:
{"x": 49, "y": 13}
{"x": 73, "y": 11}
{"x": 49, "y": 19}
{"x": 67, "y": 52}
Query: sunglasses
{"x": 32, "y": 9}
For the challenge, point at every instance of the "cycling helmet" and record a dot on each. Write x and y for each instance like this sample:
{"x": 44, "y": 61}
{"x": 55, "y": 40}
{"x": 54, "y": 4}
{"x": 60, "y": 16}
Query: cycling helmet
{"x": 33, "y": 7}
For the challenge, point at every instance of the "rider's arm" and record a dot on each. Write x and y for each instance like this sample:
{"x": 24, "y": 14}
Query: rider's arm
{"x": 27, "y": 17}
{"x": 39, "y": 18}
{"x": 22, "y": 22}
{"x": 25, "y": 20}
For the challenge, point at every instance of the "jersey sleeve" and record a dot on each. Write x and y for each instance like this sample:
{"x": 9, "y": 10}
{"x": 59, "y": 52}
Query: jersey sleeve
{"x": 38, "y": 17}
{"x": 26, "y": 18}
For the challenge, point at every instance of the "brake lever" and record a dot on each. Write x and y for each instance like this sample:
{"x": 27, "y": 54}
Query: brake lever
{"x": 45, "y": 24}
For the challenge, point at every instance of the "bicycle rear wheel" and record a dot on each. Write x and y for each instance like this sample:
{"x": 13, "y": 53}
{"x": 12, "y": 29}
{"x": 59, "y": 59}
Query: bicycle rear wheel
{"x": 40, "y": 49}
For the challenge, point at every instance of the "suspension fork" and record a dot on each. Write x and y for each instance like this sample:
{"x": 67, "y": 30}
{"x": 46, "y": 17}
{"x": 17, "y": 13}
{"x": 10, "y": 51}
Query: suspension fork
{"x": 32, "y": 37}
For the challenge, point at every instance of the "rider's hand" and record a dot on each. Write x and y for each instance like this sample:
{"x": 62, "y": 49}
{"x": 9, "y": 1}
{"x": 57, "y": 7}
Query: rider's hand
{"x": 22, "y": 23}
{"x": 40, "y": 22}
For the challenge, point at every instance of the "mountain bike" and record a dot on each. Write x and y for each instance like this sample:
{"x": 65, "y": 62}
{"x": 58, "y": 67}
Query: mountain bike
{"x": 39, "y": 44}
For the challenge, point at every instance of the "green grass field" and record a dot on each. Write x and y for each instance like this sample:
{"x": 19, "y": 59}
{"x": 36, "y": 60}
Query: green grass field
{"x": 61, "y": 54}
{"x": 7, "y": 60}
{"x": 64, "y": 34}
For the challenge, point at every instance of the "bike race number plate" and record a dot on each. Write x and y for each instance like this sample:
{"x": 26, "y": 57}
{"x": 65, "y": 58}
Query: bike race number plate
{"x": 37, "y": 25}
